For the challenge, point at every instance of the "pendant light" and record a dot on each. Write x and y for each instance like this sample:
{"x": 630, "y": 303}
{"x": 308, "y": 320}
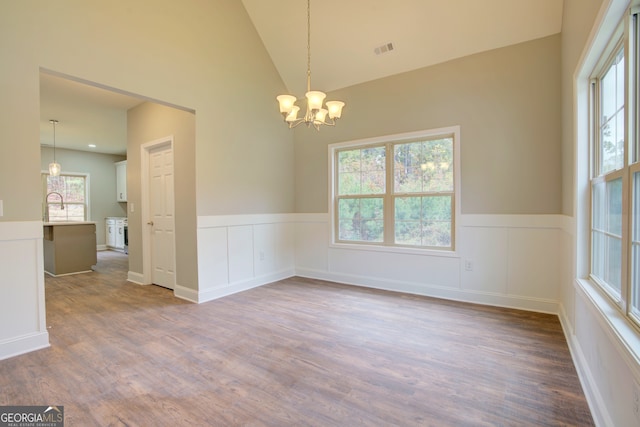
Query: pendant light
{"x": 54, "y": 168}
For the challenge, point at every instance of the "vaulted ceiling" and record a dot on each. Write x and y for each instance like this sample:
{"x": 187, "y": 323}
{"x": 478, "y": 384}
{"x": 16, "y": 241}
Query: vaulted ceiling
{"x": 345, "y": 35}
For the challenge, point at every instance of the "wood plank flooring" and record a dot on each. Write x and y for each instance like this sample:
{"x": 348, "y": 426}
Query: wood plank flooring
{"x": 298, "y": 352}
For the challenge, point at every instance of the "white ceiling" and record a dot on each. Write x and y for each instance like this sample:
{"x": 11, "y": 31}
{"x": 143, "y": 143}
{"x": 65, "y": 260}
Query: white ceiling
{"x": 344, "y": 35}
{"x": 86, "y": 114}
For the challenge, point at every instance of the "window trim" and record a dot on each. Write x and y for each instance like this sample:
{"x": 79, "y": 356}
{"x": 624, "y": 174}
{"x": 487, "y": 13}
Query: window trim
{"x": 87, "y": 192}
{"x": 625, "y": 36}
{"x": 398, "y": 138}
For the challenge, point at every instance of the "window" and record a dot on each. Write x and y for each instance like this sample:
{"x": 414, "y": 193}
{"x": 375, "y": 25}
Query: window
{"x": 65, "y": 198}
{"x": 615, "y": 172}
{"x": 396, "y": 191}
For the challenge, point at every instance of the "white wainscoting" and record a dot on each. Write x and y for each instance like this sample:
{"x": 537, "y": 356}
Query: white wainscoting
{"x": 22, "y": 305}
{"x": 605, "y": 346}
{"x": 240, "y": 252}
{"x": 515, "y": 261}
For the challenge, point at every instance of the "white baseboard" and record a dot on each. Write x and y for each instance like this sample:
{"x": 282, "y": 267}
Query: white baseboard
{"x": 596, "y": 404}
{"x": 485, "y": 298}
{"x": 187, "y": 294}
{"x": 233, "y": 288}
{"x": 23, "y": 344}
{"x": 136, "y": 278}
{"x": 101, "y": 247}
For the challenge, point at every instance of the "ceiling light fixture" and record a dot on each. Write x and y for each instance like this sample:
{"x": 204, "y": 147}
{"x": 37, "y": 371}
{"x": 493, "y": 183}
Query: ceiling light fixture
{"x": 54, "y": 168}
{"x": 316, "y": 115}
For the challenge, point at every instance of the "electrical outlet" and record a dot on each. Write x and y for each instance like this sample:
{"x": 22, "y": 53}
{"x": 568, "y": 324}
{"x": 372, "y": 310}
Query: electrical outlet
{"x": 468, "y": 265}
{"x": 261, "y": 256}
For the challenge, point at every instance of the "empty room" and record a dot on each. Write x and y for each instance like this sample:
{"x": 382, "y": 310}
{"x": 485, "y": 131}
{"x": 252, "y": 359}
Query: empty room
{"x": 305, "y": 212}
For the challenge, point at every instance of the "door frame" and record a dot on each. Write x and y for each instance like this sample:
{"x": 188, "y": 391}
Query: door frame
{"x": 145, "y": 155}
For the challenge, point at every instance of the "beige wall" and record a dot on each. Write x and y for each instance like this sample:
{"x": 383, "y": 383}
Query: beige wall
{"x": 577, "y": 19}
{"x": 507, "y": 102}
{"x": 102, "y": 181}
{"x": 202, "y": 55}
{"x": 146, "y": 123}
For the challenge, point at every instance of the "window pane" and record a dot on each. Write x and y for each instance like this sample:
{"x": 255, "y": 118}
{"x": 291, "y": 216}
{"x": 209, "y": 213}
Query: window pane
{"x": 598, "y": 254}
{"x": 619, "y": 148}
{"x": 611, "y": 123}
{"x": 424, "y": 166}
{"x": 361, "y": 171}
{"x": 608, "y": 146}
{"x": 599, "y": 207}
{"x": 423, "y": 221}
{"x": 608, "y": 93}
{"x": 361, "y": 219}
{"x": 73, "y": 192}
{"x": 619, "y": 67}
{"x": 635, "y": 245}
{"x": 408, "y": 220}
{"x": 606, "y": 239}
{"x": 614, "y": 206}
{"x": 69, "y": 213}
{"x": 437, "y": 221}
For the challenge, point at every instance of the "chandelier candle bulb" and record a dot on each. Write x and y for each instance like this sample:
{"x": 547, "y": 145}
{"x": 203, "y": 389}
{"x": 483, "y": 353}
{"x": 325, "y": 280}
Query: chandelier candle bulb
{"x": 293, "y": 114}
{"x": 315, "y": 99}
{"x": 321, "y": 115}
{"x": 286, "y": 103}
{"x": 335, "y": 109}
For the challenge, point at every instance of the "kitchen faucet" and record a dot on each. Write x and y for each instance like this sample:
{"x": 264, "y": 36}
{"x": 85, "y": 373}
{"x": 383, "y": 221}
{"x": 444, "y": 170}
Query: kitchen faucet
{"x": 46, "y": 204}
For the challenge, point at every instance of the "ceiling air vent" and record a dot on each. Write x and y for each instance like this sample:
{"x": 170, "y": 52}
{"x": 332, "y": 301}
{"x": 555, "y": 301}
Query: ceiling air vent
{"x": 385, "y": 48}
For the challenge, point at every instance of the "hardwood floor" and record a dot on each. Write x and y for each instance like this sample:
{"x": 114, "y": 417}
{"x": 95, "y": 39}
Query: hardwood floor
{"x": 298, "y": 352}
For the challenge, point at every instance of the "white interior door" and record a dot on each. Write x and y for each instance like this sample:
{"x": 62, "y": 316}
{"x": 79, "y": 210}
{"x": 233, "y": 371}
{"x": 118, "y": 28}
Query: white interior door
{"x": 161, "y": 217}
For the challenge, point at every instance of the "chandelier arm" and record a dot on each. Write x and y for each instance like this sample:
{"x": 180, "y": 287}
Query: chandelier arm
{"x": 295, "y": 123}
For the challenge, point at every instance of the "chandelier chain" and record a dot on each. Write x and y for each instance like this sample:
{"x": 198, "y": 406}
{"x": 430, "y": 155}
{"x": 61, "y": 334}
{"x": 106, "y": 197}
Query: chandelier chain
{"x": 54, "y": 139}
{"x": 308, "y": 45}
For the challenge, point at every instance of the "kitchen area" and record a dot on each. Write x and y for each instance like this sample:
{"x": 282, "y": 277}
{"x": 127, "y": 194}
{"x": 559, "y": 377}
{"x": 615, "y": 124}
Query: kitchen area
{"x": 84, "y": 211}
{"x": 83, "y": 134}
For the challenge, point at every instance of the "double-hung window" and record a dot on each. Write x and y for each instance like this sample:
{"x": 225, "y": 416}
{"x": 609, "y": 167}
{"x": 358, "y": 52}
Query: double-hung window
{"x": 615, "y": 171}
{"x": 397, "y": 191}
{"x": 65, "y": 198}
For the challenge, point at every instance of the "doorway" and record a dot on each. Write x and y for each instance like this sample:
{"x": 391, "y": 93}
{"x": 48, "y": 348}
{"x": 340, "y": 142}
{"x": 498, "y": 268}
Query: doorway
{"x": 158, "y": 212}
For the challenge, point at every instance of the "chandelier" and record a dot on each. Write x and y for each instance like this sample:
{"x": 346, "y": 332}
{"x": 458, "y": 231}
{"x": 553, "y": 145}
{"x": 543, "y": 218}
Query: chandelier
{"x": 54, "y": 167}
{"x": 315, "y": 115}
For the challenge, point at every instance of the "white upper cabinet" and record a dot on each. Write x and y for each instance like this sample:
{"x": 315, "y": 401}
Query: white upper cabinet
{"x": 121, "y": 181}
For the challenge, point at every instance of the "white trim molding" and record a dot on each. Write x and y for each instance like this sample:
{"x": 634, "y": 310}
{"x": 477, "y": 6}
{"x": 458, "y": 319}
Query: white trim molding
{"x": 240, "y": 252}
{"x": 22, "y": 302}
{"x": 502, "y": 260}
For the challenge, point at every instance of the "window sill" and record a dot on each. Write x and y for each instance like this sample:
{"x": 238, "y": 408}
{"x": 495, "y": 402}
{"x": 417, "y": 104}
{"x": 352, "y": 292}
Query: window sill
{"x": 616, "y": 323}
{"x": 395, "y": 250}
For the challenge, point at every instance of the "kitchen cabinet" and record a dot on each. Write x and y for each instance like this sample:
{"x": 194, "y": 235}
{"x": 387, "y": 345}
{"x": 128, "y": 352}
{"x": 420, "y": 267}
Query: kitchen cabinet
{"x": 121, "y": 181}
{"x": 115, "y": 232}
{"x": 111, "y": 232}
{"x": 120, "y": 234}
{"x": 69, "y": 247}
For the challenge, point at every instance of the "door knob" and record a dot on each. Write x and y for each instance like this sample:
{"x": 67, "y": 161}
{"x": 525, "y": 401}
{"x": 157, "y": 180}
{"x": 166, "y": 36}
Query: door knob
{"x": 150, "y": 223}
